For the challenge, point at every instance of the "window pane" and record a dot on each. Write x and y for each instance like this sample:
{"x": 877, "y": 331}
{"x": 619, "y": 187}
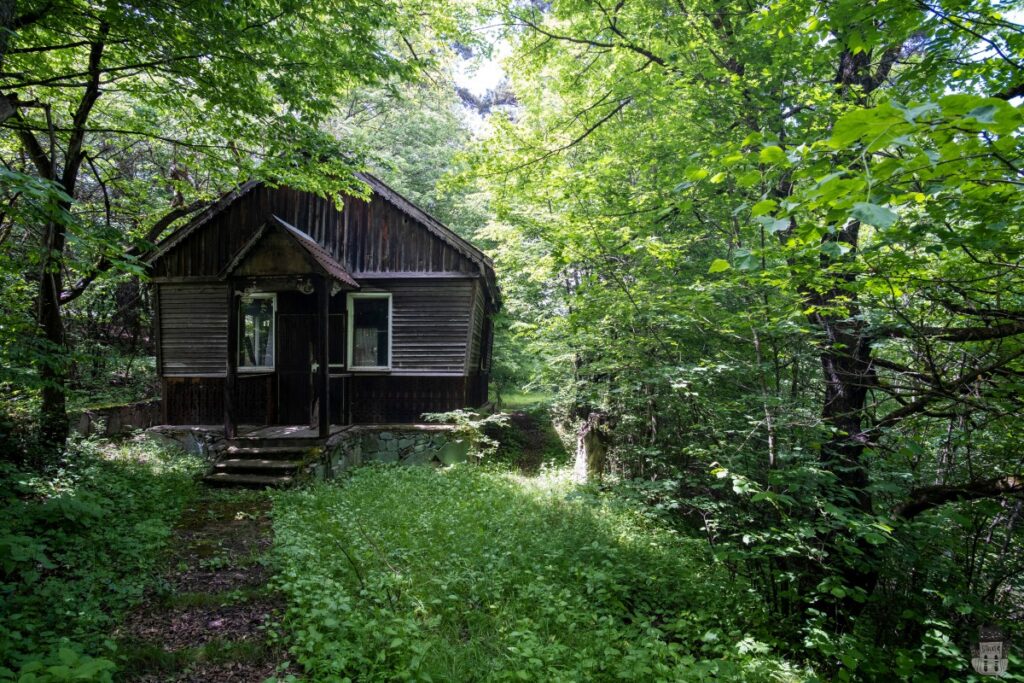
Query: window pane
{"x": 336, "y": 340}
{"x": 370, "y": 333}
{"x": 257, "y": 334}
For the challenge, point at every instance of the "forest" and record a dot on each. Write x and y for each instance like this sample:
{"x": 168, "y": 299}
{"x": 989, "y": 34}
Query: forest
{"x": 758, "y": 371}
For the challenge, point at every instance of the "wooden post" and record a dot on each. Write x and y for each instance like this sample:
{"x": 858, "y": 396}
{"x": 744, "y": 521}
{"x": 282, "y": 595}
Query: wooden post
{"x": 232, "y": 369}
{"x": 323, "y": 300}
{"x": 159, "y": 344}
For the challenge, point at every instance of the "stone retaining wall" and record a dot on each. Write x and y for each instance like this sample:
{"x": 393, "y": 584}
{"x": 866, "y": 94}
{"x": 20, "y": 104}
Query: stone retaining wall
{"x": 417, "y": 444}
{"x": 203, "y": 440}
{"x": 117, "y": 419}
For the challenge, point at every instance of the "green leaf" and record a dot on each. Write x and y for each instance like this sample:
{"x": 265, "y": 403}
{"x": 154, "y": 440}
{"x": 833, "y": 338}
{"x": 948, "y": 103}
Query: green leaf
{"x": 772, "y": 155}
{"x": 762, "y": 207}
{"x": 873, "y": 214}
{"x": 748, "y": 179}
{"x": 773, "y": 225}
{"x": 718, "y": 265}
{"x": 983, "y": 114}
{"x": 834, "y": 249}
{"x": 911, "y": 115}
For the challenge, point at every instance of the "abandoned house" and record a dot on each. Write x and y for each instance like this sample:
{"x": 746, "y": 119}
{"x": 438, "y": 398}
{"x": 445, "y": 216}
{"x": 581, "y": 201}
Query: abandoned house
{"x": 274, "y": 307}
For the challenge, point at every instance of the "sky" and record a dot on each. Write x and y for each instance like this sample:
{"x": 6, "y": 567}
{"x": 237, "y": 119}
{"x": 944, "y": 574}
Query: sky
{"x": 480, "y": 74}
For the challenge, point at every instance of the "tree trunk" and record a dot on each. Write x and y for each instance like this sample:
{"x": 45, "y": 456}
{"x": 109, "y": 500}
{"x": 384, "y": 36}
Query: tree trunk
{"x": 847, "y": 374}
{"x": 53, "y": 417}
{"x": 591, "y": 449}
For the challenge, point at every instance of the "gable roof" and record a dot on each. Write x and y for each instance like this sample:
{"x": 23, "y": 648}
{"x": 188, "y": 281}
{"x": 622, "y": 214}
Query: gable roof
{"x": 204, "y": 216}
{"x": 320, "y": 256}
{"x": 439, "y": 230}
{"x": 435, "y": 226}
{"x": 378, "y": 187}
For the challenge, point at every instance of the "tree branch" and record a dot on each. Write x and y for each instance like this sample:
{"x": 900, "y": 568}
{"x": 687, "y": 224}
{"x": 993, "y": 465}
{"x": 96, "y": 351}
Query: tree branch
{"x": 1011, "y": 92}
{"x": 928, "y": 497}
{"x": 32, "y": 17}
{"x": 957, "y": 334}
{"x": 74, "y": 158}
{"x": 964, "y": 380}
{"x": 105, "y": 263}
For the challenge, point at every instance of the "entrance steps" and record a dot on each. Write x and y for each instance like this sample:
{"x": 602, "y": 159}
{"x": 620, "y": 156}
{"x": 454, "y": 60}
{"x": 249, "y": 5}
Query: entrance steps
{"x": 259, "y": 463}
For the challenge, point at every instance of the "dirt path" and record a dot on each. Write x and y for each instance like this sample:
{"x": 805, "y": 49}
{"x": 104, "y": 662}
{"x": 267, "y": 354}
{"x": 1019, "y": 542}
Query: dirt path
{"x": 212, "y": 616}
{"x": 529, "y": 440}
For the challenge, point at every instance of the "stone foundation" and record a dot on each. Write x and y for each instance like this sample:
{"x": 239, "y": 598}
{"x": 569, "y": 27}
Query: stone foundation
{"x": 204, "y": 440}
{"x": 406, "y": 444}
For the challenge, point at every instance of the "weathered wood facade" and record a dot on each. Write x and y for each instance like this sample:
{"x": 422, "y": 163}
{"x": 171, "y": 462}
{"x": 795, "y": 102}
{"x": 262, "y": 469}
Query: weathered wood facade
{"x": 276, "y": 307}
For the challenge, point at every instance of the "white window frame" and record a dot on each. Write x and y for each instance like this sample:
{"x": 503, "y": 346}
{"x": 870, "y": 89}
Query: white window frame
{"x": 241, "y": 331}
{"x": 351, "y": 319}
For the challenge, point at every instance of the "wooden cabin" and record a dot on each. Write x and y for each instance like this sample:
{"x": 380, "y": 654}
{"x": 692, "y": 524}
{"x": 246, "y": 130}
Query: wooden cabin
{"x": 274, "y": 307}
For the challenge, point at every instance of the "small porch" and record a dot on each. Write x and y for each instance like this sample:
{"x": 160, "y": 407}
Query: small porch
{"x": 286, "y": 432}
{"x": 281, "y": 349}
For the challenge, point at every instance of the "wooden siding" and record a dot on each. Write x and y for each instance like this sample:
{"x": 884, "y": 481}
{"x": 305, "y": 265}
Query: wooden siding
{"x": 376, "y": 399}
{"x": 194, "y": 400}
{"x": 193, "y": 329}
{"x": 430, "y": 324}
{"x": 476, "y": 331}
{"x": 370, "y": 236}
{"x": 385, "y": 399}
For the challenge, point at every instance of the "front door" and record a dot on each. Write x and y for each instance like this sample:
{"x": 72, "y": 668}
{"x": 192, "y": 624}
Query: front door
{"x": 295, "y": 369}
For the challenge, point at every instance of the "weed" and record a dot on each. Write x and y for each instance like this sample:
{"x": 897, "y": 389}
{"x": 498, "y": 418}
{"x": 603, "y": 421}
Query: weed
{"x": 473, "y": 573}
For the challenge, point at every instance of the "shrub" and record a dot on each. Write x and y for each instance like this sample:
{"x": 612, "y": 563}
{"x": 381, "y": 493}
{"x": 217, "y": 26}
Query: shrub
{"x": 77, "y": 548}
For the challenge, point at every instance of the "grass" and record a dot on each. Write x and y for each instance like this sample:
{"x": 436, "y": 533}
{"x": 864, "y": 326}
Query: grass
{"x": 79, "y": 546}
{"x": 524, "y": 400}
{"x": 476, "y": 574}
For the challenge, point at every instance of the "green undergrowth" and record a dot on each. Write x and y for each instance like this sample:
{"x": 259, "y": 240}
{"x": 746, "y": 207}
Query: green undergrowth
{"x": 151, "y": 659}
{"x": 472, "y": 573}
{"x": 78, "y": 547}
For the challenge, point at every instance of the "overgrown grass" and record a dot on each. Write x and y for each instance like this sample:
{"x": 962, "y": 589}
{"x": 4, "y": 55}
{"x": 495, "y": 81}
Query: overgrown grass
{"x": 524, "y": 400}
{"x": 470, "y": 573}
{"x": 78, "y": 547}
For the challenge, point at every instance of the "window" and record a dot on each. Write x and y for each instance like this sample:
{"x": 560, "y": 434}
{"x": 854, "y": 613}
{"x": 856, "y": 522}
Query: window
{"x": 256, "y": 332}
{"x": 369, "y": 331}
{"x": 336, "y": 341}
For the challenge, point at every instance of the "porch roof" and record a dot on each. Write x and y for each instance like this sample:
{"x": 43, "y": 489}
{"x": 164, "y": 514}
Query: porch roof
{"x": 320, "y": 256}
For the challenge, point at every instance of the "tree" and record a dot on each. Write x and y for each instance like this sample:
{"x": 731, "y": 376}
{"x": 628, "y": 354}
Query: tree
{"x": 742, "y": 192}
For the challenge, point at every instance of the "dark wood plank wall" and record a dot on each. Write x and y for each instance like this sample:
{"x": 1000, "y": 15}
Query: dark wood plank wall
{"x": 367, "y": 237}
{"x": 404, "y": 399}
{"x": 430, "y": 323}
{"x": 476, "y": 330}
{"x": 193, "y": 329}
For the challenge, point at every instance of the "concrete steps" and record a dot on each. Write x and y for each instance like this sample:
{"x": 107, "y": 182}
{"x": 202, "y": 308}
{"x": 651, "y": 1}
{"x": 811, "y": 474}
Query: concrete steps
{"x": 268, "y": 452}
{"x": 262, "y": 462}
{"x": 259, "y": 481}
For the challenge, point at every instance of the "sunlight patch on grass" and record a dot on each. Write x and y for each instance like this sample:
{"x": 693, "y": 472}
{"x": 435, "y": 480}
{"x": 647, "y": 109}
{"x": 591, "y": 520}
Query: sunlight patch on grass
{"x": 523, "y": 400}
{"x": 471, "y": 573}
